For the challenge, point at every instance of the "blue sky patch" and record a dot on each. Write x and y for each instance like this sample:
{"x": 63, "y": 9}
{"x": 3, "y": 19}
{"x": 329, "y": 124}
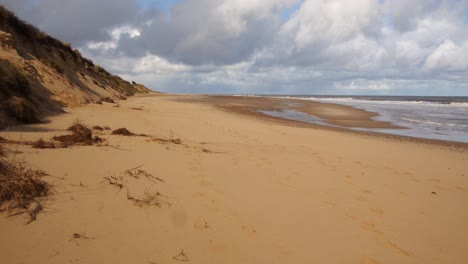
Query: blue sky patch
{"x": 289, "y": 11}
{"x": 162, "y": 5}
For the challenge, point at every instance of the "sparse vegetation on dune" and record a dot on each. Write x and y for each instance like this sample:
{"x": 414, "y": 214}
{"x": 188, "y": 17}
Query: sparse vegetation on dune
{"x": 18, "y": 104}
{"x": 34, "y": 56}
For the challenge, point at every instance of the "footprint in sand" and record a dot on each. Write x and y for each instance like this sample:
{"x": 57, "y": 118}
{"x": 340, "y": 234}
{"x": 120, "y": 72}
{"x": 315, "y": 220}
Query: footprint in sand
{"x": 206, "y": 184}
{"x": 218, "y": 246}
{"x": 397, "y": 248}
{"x": 198, "y": 195}
{"x": 377, "y": 211}
{"x": 368, "y": 260}
{"x": 361, "y": 198}
{"x": 201, "y": 224}
{"x": 282, "y": 250}
{"x": 348, "y": 179}
{"x": 370, "y": 226}
{"x": 249, "y": 230}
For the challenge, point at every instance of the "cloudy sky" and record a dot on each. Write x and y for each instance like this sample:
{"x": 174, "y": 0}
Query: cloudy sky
{"x": 402, "y": 47}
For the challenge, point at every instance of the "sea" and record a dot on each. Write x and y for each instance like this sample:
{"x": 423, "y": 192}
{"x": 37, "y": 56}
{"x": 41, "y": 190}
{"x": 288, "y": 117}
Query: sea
{"x": 430, "y": 117}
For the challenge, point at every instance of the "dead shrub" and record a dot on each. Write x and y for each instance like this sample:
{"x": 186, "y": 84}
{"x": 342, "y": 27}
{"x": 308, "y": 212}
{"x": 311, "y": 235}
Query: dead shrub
{"x": 181, "y": 257}
{"x": 81, "y": 236}
{"x": 169, "y": 139}
{"x": 148, "y": 199}
{"x": 101, "y": 128}
{"x": 176, "y": 141}
{"x": 137, "y": 173}
{"x": 21, "y": 189}
{"x": 114, "y": 181}
{"x": 42, "y": 144}
{"x": 81, "y": 135}
{"x": 97, "y": 140}
{"x": 125, "y": 132}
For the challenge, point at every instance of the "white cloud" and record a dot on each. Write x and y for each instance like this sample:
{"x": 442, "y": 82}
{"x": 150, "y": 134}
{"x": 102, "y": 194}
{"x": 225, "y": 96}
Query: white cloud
{"x": 448, "y": 56}
{"x": 115, "y": 35}
{"x": 330, "y": 21}
{"x": 246, "y": 46}
{"x": 157, "y": 65}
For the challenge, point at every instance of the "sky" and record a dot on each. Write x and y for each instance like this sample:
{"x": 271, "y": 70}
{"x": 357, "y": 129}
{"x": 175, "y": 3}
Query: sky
{"x": 326, "y": 47}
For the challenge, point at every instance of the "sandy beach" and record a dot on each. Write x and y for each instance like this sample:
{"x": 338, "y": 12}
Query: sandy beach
{"x": 239, "y": 188}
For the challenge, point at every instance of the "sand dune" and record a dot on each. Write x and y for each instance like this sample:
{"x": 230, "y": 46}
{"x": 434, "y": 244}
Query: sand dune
{"x": 239, "y": 189}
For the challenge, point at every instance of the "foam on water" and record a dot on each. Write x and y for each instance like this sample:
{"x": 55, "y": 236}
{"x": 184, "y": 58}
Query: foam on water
{"x": 444, "y": 118}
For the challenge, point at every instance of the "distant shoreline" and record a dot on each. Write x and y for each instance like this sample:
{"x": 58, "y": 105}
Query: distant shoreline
{"x": 341, "y": 117}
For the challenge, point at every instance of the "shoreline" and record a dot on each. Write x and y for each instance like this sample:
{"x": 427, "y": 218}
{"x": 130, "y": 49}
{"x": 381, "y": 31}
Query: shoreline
{"x": 250, "y": 106}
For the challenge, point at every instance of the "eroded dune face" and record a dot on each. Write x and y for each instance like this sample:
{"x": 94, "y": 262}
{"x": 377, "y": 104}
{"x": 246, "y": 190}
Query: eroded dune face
{"x": 40, "y": 74}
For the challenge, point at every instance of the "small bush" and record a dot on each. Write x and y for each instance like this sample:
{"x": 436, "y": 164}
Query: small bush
{"x": 21, "y": 188}
{"x": 42, "y": 144}
{"x": 123, "y": 131}
{"x": 81, "y": 135}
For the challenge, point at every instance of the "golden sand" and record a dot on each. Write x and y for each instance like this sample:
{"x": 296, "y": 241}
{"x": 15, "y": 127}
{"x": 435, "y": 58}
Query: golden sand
{"x": 238, "y": 189}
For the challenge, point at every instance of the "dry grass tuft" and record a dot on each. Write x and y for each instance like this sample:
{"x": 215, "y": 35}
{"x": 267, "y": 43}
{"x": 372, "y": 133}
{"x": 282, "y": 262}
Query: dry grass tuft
{"x": 21, "y": 189}
{"x": 8, "y": 141}
{"x": 98, "y": 140}
{"x": 81, "y": 236}
{"x": 114, "y": 181}
{"x": 181, "y": 257}
{"x": 125, "y": 132}
{"x": 148, "y": 199}
{"x": 176, "y": 141}
{"x": 168, "y": 140}
{"x": 81, "y": 135}
{"x": 137, "y": 173}
{"x": 42, "y": 144}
